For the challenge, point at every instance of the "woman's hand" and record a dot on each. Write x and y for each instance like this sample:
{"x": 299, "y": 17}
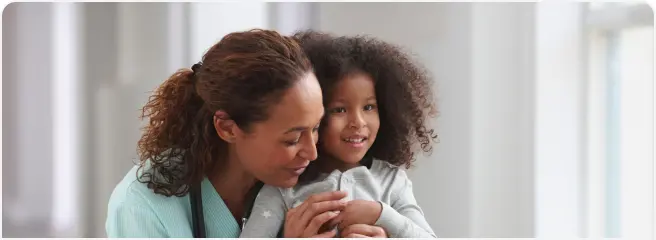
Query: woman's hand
{"x": 363, "y": 231}
{"x": 306, "y": 219}
{"x": 359, "y": 212}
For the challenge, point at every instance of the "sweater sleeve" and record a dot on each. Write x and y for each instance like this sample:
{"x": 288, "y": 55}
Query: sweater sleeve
{"x": 404, "y": 218}
{"x": 267, "y": 216}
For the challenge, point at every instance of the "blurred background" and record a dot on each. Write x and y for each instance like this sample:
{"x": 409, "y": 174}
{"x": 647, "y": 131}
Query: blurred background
{"x": 546, "y": 109}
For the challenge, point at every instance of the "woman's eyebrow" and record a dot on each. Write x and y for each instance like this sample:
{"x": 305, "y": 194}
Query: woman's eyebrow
{"x": 296, "y": 129}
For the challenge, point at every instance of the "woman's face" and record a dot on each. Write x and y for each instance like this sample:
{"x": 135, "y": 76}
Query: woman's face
{"x": 277, "y": 150}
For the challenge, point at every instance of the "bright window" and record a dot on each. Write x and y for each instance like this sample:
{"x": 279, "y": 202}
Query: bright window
{"x": 619, "y": 120}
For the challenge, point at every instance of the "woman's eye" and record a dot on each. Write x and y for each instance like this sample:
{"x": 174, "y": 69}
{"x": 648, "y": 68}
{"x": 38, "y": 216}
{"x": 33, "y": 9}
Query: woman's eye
{"x": 291, "y": 143}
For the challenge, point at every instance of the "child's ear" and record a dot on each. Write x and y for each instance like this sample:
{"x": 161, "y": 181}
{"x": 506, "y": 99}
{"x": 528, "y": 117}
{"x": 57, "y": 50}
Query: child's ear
{"x": 225, "y": 127}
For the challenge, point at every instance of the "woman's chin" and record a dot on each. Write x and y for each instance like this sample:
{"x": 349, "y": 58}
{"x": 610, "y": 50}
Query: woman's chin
{"x": 288, "y": 183}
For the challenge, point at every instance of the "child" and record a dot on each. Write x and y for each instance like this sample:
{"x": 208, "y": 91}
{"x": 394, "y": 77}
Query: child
{"x": 376, "y": 102}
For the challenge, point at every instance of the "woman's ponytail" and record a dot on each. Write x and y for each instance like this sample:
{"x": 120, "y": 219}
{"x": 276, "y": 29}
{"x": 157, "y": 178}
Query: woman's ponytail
{"x": 173, "y": 114}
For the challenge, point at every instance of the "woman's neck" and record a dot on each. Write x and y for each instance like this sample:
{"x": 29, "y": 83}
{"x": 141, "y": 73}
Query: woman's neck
{"x": 233, "y": 183}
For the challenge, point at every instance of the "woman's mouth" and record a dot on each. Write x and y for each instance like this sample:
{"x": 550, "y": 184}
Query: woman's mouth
{"x": 298, "y": 170}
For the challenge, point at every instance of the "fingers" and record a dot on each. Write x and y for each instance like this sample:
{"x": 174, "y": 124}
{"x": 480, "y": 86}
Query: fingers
{"x": 335, "y": 222}
{"x": 314, "y": 207}
{"x": 322, "y": 207}
{"x": 355, "y": 235}
{"x": 328, "y": 234}
{"x": 379, "y": 232}
{"x": 364, "y": 229}
{"x": 328, "y": 225}
{"x": 307, "y": 218}
{"x": 326, "y": 196}
{"x": 356, "y": 228}
{"x": 342, "y": 220}
{"x": 316, "y": 222}
{"x": 316, "y": 198}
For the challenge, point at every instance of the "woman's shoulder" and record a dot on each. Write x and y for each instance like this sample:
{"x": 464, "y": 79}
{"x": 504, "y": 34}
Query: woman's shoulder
{"x": 129, "y": 189}
{"x": 134, "y": 210}
{"x": 131, "y": 193}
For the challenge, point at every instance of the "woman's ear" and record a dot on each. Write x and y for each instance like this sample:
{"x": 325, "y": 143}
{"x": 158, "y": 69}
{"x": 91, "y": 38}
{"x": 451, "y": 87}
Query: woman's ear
{"x": 225, "y": 127}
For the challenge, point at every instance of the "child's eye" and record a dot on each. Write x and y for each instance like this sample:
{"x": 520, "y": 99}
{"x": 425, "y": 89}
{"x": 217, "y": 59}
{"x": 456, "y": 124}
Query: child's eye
{"x": 369, "y": 107}
{"x": 338, "y": 110}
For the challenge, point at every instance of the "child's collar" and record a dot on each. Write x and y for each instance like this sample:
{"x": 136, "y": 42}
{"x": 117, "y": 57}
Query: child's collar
{"x": 367, "y": 161}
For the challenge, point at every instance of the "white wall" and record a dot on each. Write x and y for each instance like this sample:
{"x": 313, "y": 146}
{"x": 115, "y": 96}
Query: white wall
{"x": 503, "y": 115}
{"x": 289, "y": 17}
{"x": 124, "y": 51}
{"x": 27, "y": 156}
{"x": 140, "y": 58}
{"x": 211, "y": 21}
{"x": 559, "y": 129}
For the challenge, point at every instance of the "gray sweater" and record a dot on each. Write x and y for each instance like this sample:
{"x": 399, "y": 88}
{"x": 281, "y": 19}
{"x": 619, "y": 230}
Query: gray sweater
{"x": 401, "y": 217}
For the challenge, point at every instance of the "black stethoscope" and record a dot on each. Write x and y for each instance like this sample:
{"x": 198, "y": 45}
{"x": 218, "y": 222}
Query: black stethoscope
{"x": 197, "y": 219}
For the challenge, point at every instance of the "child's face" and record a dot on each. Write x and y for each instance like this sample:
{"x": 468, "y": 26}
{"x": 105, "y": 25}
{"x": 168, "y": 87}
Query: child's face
{"x": 352, "y": 119}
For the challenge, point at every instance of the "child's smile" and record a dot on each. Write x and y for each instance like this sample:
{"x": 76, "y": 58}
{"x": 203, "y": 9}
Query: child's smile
{"x": 356, "y": 140}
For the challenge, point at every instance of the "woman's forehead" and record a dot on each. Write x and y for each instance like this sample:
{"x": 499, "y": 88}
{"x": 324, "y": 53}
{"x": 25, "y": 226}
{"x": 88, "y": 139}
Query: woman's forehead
{"x": 300, "y": 106}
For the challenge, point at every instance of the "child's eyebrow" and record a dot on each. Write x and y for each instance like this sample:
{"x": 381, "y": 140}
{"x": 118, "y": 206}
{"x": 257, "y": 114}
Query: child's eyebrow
{"x": 339, "y": 100}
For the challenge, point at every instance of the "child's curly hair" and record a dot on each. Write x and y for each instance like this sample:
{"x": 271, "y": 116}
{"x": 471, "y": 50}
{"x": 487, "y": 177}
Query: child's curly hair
{"x": 403, "y": 89}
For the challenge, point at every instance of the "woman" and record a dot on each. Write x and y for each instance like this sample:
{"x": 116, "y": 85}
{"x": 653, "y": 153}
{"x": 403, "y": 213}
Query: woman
{"x": 248, "y": 113}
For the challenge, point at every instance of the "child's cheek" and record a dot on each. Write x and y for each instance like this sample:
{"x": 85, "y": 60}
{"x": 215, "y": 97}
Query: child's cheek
{"x": 373, "y": 123}
{"x": 330, "y": 136}
{"x": 336, "y": 125}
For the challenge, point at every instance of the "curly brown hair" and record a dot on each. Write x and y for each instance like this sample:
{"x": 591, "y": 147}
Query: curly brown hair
{"x": 243, "y": 74}
{"x": 402, "y": 86}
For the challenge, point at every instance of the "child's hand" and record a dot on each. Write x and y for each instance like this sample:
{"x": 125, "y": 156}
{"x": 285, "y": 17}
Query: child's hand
{"x": 359, "y": 212}
{"x": 363, "y": 231}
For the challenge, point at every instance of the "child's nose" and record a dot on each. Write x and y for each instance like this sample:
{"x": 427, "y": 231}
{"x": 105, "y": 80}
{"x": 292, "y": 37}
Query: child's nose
{"x": 357, "y": 121}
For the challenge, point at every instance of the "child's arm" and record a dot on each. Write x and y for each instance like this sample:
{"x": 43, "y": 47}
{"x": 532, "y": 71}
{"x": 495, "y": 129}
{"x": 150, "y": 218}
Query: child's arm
{"x": 404, "y": 218}
{"x": 267, "y": 215}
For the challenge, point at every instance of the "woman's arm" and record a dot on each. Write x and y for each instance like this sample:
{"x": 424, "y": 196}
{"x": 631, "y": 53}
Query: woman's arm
{"x": 134, "y": 220}
{"x": 267, "y": 215}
